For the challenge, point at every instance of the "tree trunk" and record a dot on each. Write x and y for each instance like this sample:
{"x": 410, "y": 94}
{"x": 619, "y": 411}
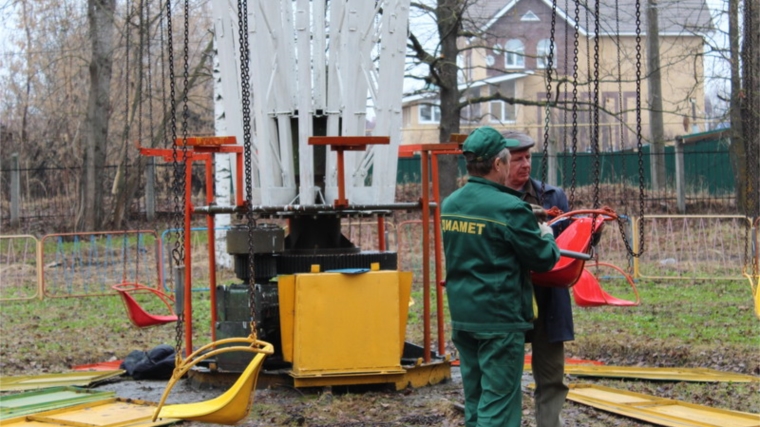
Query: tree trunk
{"x": 748, "y": 154}
{"x": 95, "y": 126}
{"x": 656, "y": 125}
{"x": 449, "y": 20}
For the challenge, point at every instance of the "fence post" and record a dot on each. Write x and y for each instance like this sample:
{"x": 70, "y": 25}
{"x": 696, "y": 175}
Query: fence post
{"x": 680, "y": 176}
{"x": 150, "y": 189}
{"x": 551, "y": 162}
{"x": 15, "y": 190}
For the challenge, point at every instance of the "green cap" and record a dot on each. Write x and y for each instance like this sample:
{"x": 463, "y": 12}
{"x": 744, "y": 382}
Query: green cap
{"x": 486, "y": 142}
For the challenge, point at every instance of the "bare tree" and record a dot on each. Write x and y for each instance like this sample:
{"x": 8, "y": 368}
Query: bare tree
{"x": 94, "y": 134}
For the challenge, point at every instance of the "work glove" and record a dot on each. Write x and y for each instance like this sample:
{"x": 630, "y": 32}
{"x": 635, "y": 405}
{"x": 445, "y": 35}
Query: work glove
{"x": 539, "y": 213}
{"x": 545, "y": 229}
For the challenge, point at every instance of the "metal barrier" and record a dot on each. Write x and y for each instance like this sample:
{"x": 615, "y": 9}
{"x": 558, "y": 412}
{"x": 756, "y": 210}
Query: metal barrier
{"x": 88, "y": 264}
{"x": 678, "y": 247}
{"x": 686, "y": 247}
{"x": 20, "y": 268}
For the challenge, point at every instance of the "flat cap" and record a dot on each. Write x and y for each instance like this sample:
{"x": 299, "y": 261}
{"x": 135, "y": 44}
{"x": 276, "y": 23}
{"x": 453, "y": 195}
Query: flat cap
{"x": 486, "y": 142}
{"x": 525, "y": 141}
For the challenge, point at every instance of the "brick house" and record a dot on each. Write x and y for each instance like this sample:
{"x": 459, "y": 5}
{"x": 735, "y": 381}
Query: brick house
{"x": 512, "y": 56}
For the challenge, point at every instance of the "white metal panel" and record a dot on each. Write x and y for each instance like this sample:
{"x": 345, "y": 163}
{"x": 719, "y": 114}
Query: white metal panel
{"x": 387, "y": 100}
{"x": 271, "y": 101}
{"x": 319, "y": 44}
{"x": 297, "y": 71}
{"x": 307, "y": 191}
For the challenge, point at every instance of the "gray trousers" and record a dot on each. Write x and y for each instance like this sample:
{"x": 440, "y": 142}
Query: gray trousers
{"x": 548, "y": 364}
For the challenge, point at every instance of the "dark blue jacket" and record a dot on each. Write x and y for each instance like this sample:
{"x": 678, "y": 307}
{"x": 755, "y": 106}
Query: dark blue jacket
{"x": 554, "y": 306}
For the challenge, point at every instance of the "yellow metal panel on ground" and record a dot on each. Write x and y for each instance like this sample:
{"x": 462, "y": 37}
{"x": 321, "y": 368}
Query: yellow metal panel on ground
{"x": 670, "y": 374}
{"x": 347, "y": 324}
{"x": 112, "y": 412}
{"x": 31, "y": 382}
{"x": 664, "y": 412}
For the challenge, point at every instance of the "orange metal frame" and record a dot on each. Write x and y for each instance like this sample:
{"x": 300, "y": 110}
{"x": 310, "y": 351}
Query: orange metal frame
{"x": 200, "y": 149}
{"x": 429, "y": 163}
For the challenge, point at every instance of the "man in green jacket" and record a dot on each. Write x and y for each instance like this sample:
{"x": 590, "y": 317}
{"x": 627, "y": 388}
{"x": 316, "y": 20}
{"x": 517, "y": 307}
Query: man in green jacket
{"x": 492, "y": 242}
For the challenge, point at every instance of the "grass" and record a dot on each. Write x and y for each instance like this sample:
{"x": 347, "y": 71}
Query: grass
{"x": 678, "y": 325}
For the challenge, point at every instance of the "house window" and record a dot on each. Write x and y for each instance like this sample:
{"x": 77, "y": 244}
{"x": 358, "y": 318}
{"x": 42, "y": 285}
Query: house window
{"x": 430, "y": 113}
{"x": 502, "y": 112}
{"x": 542, "y": 54}
{"x": 514, "y": 55}
{"x": 530, "y": 17}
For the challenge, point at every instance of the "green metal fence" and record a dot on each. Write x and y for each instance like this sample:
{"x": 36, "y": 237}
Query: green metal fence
{"x": 707, "y": 167}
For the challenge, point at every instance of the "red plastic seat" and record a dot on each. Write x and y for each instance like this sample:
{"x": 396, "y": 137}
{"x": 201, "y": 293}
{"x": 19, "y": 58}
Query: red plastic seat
{"x": 137, "y": 314}
{"x": 577, "y": 238}
{"x": 587, "y": 291}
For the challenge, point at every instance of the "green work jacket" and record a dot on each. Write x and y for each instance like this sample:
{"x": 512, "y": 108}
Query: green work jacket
{"x": 492, "y": 242}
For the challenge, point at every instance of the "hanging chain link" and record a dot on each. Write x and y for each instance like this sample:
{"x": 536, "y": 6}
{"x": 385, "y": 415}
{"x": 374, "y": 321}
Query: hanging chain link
{"x": 547, "y": 115}
{"x": 595, "y": 134}
{"x": 575, "y": 105}
{"x": 248, "y": 154}
{"x": 565, "y": 66}
{"x": 176, "y": 218}
{"x": 639, "y": 146}
{"x": 178, "y": 187}
{"x": 125, "y": 175}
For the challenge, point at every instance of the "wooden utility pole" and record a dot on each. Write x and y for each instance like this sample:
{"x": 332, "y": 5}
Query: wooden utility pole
{"x": 656, "y": 125}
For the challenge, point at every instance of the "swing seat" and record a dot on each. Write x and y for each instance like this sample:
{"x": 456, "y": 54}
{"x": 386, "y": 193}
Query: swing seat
{"x": 577, "y": 238}
{"x": 137, "y": 314}
{"x": 587, "y": 292}
{"x": 231, "y": 406}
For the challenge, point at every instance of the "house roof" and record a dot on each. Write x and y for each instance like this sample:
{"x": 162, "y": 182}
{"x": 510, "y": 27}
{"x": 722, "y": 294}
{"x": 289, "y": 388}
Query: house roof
{"x": 433, "y": 96}
{"x": 676, "y": 17}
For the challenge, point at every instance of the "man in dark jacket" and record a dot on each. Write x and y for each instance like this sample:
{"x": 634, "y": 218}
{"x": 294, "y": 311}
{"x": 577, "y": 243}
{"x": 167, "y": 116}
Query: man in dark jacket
{"x": 491, "y": 241}
{"x": 554, "y": 324}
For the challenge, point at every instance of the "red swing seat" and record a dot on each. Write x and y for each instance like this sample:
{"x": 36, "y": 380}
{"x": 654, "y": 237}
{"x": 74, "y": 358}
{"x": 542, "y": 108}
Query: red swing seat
{"x": 587, "y": 291}
{"x": 137, "y": 314}
{"x": 577, "y": 238}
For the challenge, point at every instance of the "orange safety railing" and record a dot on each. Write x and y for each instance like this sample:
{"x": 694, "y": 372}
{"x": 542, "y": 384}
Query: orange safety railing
{"x": 88, "y": 264}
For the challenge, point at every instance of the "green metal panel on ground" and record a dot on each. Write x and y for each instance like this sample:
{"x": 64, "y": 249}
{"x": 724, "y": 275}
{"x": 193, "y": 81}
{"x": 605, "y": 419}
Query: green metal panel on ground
{"x": 29, "y": 402}
{"x": 33, "y": 382}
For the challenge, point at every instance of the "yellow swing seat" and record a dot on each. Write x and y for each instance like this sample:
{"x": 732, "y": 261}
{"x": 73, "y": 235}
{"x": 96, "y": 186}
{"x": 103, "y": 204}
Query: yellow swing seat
{"x": 231, "y": 406}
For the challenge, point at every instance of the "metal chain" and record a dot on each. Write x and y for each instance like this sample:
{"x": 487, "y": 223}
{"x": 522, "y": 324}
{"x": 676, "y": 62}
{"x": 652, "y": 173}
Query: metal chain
{"x": 124, "y": 247}
{"x": 549, "y": 69}
{"x": 623, "y": 199}
{"x": 595, "y": 134}
{"x": 565, "y": 66}
{"x": 639, "y": 147}
{"x": 177, "y": 253}
{"x": 166, "y": 132}
{"x": 620, "y": 101}
{"x": 248, "y": 154}
{"x": 575, "y": 105}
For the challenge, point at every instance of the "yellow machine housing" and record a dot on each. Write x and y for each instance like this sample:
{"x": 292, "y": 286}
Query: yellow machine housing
{"x": 344, "y": 325}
